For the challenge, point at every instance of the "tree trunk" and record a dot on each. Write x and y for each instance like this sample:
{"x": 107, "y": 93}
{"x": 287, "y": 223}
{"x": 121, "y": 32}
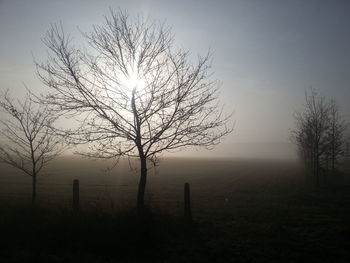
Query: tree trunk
{"x": 33, "y": 190}
{"x": 316, "y": 162}
{"x": 333, "y": 160}
{"x": 142, "y": 187}
{"x": 317, "y": 171}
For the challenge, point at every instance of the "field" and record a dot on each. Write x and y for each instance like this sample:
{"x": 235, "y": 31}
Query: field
{"x": 244, "y": 211}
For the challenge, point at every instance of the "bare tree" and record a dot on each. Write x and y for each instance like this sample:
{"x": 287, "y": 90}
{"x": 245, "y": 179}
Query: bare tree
{"x": 312, "y": 125}
{"x": 336, "y": 135}
{"x": 27, "y": 140}
{"x": 320, "y": 134}
{"x": 136, "y": 95}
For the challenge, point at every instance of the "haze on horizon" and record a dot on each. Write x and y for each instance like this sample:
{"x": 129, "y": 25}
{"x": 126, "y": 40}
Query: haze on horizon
{"x": 265, "y": 53}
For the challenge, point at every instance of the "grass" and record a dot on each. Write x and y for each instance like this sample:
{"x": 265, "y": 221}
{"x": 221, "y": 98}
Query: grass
{"x": 62, "y": 236}
{"x": 264, "y": 213}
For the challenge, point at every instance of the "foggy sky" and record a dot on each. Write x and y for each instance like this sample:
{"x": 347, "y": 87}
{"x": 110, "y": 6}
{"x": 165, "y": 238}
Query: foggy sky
{"x": 265, "y": 53}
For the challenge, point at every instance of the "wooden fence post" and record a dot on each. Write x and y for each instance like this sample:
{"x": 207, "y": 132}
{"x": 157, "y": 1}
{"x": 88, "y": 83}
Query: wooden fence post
{"x": 76, "y": 195}
{"x": 187, "y": 204}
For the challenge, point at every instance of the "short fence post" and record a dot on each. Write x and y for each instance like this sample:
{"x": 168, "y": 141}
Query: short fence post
{"x": 76, "y": 195}
{"x": 187, "y": 204}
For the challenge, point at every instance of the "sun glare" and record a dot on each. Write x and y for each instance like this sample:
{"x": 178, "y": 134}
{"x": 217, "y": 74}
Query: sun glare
{"x": 133, "y": 80}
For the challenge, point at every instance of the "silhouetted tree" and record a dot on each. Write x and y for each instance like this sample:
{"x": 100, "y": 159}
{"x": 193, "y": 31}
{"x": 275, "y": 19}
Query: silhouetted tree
{"x": 136, "y": 96}
{"x": 336, "y": 135}
{"x": 311, "y": 131}
{"x": 320, "y": 133}
{"x": 27, "y": 140}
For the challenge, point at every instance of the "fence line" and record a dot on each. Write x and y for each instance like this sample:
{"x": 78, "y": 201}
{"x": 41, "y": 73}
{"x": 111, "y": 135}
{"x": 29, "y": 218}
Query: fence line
{"x": 66, "y": 184}
{"x": 76, "y": 200}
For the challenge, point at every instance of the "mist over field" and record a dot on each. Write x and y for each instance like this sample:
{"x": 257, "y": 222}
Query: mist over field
{"x": 215, "y": 182}
{"x": 243, "y": 208}
{"x": 212, "y": 131}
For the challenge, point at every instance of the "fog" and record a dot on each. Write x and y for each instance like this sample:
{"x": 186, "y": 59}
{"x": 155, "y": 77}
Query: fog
{"x": 265, "y": 54}
{"x": 214, "y": 179}
{"x": 244, "y": 196}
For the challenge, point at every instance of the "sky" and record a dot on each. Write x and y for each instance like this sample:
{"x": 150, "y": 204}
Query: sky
{"x": 265, "y": 54}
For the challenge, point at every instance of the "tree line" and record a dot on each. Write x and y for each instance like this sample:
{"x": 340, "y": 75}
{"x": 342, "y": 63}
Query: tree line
{"x": 320, "y": 135}
{"x": 133, "y": 94}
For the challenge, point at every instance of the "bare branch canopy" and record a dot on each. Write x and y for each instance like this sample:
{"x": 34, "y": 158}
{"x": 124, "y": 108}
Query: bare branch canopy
{"x": 28, "y": 141}
{"x": 135, "y": 94}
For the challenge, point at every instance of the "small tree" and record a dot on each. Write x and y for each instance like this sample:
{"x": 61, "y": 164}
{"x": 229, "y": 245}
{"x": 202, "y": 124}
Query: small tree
{"x": 336, "y": 136}
{"x": 319, "y": 134}
{"x": 137, "y": 96}
{"x": 311, "y": 132}
{"x": 27, "y": 140}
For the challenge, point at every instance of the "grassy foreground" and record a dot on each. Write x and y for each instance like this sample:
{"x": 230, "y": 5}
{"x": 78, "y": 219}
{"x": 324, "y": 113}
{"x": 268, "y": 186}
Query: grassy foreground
{"x": 313, "y": 226}
{"x": 244, "y": 211}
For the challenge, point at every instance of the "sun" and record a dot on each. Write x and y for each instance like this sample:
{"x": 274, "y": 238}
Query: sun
{"x": 133, "y": 80}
